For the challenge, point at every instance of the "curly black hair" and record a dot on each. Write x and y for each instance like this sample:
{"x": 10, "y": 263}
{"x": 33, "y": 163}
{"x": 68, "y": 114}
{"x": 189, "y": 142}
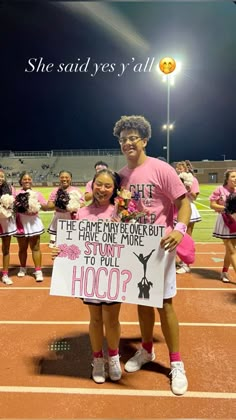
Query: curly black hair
{"x": 133, "y": 122}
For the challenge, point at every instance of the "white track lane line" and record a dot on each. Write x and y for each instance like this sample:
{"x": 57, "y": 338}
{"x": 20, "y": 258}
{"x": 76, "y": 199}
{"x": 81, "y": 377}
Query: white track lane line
{"x": 183, "y": 324}
{"x": 114, "y": 392}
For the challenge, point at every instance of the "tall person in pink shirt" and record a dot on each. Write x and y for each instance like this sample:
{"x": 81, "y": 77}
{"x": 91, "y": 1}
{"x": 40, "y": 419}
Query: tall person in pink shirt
{"x": 159, "y": 189}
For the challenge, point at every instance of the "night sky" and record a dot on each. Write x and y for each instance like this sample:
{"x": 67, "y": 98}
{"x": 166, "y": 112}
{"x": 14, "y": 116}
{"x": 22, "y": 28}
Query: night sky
{"x": 78, "y": 109}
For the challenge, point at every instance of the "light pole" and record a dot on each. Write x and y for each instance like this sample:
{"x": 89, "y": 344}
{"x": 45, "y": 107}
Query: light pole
{"x": 168, "y": 127}
{"x": 169, "y": 80}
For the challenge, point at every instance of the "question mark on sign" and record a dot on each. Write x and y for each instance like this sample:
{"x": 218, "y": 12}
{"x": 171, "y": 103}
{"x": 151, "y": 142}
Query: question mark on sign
{"x": 125, "y": 282}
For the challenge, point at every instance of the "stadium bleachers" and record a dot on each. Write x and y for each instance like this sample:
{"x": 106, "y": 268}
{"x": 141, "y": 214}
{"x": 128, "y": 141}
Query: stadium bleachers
{"x": 45, "y": 166}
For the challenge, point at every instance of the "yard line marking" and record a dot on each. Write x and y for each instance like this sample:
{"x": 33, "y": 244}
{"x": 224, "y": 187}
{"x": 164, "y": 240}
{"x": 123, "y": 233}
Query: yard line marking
{"x": 115, "y": 392}
{"x": 183, "y": 324}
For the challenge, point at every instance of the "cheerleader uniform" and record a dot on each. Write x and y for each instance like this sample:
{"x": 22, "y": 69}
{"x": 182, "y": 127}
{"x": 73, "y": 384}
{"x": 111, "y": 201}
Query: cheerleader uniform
{"x": 195, "y": 215}
{"x": 60, "y": 213}
{"x": 30, "y": 224}
{"x": 221, "y": 230}
{"x": 8, "y": 224}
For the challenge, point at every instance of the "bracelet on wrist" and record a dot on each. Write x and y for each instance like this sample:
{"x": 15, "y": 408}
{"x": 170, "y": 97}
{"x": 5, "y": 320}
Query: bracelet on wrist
{"x": 181, "y": 227}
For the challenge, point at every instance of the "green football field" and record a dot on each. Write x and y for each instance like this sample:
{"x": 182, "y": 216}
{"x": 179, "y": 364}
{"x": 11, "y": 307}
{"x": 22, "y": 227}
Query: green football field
{"x": 202, "y": 230}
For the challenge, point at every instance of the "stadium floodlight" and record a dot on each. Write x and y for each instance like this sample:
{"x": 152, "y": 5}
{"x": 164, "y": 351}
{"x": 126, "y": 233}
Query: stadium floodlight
{"x": 169, "y": 79}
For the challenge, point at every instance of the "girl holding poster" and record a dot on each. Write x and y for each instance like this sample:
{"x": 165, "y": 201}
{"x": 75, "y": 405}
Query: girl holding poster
{"x": 103, "y": 314}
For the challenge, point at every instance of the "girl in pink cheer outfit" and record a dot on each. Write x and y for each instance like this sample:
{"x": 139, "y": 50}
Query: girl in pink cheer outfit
{"x": 192, "y": 186}
{"x": 221, "y": 230}
{"x": 59, "y": 201}
{"x": 103, "y": 313}
{"x": 7, "y": 224}
{"x": 29, "y": 224}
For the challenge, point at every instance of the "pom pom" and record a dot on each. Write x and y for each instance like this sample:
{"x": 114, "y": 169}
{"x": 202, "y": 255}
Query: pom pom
{"x": 34, "y": 205}
{"x": 21, "y": 203}
{"x": 74, "y": 202}
{"x": 62, "y": 199}
{"x": 27, "y": 202}
{"x": 6, "y": 206}
{"x": 186, "y": 178}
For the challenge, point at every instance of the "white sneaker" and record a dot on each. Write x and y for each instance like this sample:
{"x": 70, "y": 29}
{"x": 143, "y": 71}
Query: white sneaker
{"x": 140, "y": 358}
{"x": 38, "y": 275}
{"x": 179, "y": 382}
{"x": 6, "y": 279}
{"x": 98, "y": 372}
{"x": 224, "y": 277}
{"x": 52, "y": 244}
{"x": 21, "y": 272}
{"x": 184, "y": 269}
{"x": 114, "y": 368}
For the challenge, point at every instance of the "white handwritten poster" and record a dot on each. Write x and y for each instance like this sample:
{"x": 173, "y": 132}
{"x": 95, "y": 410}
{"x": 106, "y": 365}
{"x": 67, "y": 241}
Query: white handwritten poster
{"x": 120, "y": 262}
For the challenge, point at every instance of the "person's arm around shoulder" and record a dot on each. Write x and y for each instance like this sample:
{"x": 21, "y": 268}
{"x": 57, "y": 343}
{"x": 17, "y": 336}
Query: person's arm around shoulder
{"x": 170, "y": 241}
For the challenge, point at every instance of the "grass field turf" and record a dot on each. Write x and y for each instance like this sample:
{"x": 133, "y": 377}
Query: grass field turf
{"x": 202, "y": 230}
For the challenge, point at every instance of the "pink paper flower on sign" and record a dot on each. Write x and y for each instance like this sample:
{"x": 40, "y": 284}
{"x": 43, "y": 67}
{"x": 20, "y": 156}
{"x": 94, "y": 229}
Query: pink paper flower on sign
{"x": 63, "y": 250}
{"x": 73, "y": 252}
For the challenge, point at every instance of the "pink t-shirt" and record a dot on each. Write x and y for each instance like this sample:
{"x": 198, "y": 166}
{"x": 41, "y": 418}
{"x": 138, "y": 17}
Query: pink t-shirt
{"x": 88, "y": 187}
{"x": 93, "y": 212}
{"x": 220, "y": 195}
{"x": 158, "y": 186}
{"x": 53, "y": 194}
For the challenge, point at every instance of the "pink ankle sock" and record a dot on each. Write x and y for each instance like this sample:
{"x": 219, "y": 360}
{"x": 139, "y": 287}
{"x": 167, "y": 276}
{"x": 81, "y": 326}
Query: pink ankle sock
{"x": 225, "y": 270}
{"x": 147, "y": 346}
{"x": 113, "y": 352}
{"x": 175, "y": 357}
{"x": 37, "y": 268}
{"x": 98, "y": 354}
{"x": 4, "y": 272}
